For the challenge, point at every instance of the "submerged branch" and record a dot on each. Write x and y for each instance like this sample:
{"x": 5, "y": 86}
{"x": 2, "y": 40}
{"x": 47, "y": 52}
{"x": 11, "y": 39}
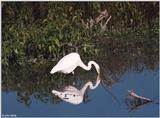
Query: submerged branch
{"x": 134, "y": 101}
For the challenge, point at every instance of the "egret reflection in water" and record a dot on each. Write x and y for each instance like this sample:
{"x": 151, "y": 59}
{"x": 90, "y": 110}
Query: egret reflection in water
{"x": 73, "y": 95}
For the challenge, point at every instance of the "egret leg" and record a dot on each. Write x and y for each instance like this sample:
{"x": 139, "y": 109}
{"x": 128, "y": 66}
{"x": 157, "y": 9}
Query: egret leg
{"x": 74, "y": 77}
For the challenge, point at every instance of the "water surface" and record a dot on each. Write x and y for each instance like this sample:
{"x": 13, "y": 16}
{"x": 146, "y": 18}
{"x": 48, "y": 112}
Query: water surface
{"x": 26, "y": 91}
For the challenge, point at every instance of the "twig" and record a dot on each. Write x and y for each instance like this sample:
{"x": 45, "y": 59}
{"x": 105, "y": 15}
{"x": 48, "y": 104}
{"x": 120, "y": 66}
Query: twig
{"x": 107, "y": 20}
{"x": 103, "y": 27}
{"x": 91, "y": 22}
{"x": 85, "y": 25}
{"x": 133, "y": 94}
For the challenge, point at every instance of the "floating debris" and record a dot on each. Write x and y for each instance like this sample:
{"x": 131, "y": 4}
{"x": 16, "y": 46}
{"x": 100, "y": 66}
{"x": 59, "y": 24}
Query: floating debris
{"x": 134, "y": 101}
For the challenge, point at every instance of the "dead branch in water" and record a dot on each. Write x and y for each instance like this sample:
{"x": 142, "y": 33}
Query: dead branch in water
{"x": 135, "y": 96}
{"x": 134, "y": 101}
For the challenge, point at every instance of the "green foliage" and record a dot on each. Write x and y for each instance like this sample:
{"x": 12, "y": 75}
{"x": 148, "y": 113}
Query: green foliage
{"x": 35, "y": 31}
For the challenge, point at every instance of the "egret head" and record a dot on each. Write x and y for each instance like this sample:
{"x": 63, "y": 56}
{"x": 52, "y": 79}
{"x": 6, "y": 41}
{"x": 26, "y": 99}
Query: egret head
{"x": 96, "y": 66}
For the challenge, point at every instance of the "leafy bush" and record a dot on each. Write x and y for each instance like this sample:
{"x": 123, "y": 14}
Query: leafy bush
{"x": 35, "y": 31}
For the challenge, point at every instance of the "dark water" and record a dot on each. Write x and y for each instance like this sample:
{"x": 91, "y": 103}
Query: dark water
{"x": 26, "y": 91}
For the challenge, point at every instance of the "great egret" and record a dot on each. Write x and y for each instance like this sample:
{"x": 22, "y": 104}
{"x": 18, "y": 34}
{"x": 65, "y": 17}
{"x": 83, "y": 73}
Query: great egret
{"x": 73, "y": 95}
{"x": 69, "y": 62}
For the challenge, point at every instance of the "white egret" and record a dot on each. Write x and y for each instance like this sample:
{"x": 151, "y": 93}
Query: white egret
{"x": 69, "y": 62}
{"x": 73, "y": 95}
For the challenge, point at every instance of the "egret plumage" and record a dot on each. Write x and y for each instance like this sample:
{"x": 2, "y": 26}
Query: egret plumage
{"x": 69, "y": 62}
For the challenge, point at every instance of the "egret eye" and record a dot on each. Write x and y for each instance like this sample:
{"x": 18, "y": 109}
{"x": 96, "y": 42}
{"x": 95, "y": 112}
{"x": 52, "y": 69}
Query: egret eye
{"x": 74, "y": 95}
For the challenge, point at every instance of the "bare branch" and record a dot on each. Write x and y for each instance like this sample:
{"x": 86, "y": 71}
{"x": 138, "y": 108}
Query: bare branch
{"x": 105, "y": 24}
{"x": 133, "y": 94}
{"x": 84, "y": 25}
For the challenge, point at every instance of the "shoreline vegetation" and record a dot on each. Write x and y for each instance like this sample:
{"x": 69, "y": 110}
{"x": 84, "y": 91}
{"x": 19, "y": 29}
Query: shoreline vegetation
{"x": 122, "y": 37}
{"x": 36, "y": 32}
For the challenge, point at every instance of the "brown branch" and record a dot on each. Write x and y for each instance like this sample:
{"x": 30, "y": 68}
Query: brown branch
{"x": 103, "y": 27}
{"x": 133, "y": 94}
{"x": 84, "y": 25}
{"x": 91, "y": 22}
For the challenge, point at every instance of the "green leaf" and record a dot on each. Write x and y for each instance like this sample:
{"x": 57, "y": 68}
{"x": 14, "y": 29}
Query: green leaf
{"x": 16, "y": 51}
{"x": 57, "y": 42}
{"x": 50, "y": 49}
